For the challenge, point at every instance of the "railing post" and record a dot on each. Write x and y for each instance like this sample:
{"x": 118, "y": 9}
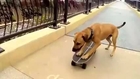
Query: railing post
{"x": 55, "y": 14}
{"x": 66, "y": 13}
{"x": 87, "y": 5}
{"x": 138, "y": 6}
{"x": 90, "y": 4}
{"x": 98, "y": 3}
{"x": 103, "y": 2}
{"x": 1, "y": 49}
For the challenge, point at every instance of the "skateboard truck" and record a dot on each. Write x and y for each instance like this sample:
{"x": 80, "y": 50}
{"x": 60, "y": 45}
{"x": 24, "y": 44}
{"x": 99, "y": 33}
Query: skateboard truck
{"x": 82, "y": 65}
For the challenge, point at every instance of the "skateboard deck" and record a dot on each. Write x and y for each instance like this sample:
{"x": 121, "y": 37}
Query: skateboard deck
{"x": 78, "y": 59}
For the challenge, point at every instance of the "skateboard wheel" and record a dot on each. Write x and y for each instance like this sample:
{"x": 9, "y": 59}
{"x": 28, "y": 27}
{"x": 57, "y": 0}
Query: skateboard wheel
{"x": 84, "y": 66}
{"x": 73, "y": 63}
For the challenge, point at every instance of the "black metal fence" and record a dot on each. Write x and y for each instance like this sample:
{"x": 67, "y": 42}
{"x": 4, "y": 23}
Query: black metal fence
{"x": 134, "y": 3}
{"x": 18, "y": 17}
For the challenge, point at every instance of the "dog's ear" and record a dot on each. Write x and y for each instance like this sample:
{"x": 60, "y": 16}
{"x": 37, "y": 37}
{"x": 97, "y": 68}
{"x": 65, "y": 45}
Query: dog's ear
{"x": 85, "y": 37}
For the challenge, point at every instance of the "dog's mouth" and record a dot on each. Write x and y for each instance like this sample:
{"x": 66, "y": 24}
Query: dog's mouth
{"x": 76, "y": 50}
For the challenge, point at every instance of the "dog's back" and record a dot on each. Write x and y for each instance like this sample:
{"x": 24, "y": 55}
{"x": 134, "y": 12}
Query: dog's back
{"x": 103, "y": 30}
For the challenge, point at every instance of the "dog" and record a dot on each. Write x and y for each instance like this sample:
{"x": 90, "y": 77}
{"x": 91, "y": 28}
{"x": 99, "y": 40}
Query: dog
{"x": 96, "y": 33}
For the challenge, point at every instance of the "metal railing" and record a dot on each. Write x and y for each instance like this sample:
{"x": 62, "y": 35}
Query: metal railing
{"x": 19, "y": 17}
{"x": 134, "y": 3}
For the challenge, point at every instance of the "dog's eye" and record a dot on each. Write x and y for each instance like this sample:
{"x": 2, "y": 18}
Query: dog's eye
{"x": 78, "y": 43}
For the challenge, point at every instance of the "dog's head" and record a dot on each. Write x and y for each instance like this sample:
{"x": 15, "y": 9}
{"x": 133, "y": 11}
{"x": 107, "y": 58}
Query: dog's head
{"x": 79, "y": 41}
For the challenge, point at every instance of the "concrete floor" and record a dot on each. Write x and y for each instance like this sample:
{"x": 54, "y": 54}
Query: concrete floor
{"x": 116, "y": 14}
{"x": 53, "y": 61}
{"x": 12, "y": 73}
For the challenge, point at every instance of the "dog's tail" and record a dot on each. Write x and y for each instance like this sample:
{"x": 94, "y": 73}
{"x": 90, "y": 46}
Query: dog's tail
{"x": 121, "y": 25}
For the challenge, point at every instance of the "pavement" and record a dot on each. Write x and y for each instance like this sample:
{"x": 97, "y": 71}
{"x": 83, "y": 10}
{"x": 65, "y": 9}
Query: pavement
{"x": 116, "y": 14}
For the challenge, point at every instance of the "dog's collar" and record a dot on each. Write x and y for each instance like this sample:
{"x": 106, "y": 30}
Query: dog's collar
{"x": 91, "y": 35}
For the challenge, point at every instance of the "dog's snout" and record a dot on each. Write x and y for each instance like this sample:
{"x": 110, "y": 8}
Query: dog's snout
{"x": 73, "y": 49}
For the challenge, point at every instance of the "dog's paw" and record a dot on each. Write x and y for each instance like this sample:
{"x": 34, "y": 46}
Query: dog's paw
{"x": 106, "y": 48}
{"x": 78, "y": 54}
{"x": 111, "y": 55}
{"x": 84, "y": 56}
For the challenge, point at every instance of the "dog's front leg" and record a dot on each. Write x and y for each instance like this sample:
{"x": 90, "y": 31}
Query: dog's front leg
{"x": 82, "y": 49}
{"x": 96, "y": 45}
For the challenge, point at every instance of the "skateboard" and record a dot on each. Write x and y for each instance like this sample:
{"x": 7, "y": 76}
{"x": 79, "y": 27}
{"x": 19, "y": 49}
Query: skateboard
{"x": 77, "y": 60}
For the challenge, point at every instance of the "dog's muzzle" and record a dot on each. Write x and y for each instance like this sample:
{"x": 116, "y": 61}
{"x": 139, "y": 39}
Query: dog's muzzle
{"x": 76, "y": 49}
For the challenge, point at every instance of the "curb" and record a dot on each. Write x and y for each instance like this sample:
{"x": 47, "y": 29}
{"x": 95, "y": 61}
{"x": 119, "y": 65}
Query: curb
{"x": 133, "y": 9}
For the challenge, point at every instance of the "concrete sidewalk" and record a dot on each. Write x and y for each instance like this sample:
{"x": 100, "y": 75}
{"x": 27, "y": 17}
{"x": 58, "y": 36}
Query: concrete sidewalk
{"x": 117, "y": 13}
{"x": 54, "y": 60}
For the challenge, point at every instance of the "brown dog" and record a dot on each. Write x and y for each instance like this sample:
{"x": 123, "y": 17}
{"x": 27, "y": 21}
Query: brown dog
{"x": 96, "y": 33}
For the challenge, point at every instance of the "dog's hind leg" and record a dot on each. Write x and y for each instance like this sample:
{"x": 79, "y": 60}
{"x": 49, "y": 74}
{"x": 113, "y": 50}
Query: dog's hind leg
{"x": 109, "y": 41}
{"x": 114, "y": 40}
